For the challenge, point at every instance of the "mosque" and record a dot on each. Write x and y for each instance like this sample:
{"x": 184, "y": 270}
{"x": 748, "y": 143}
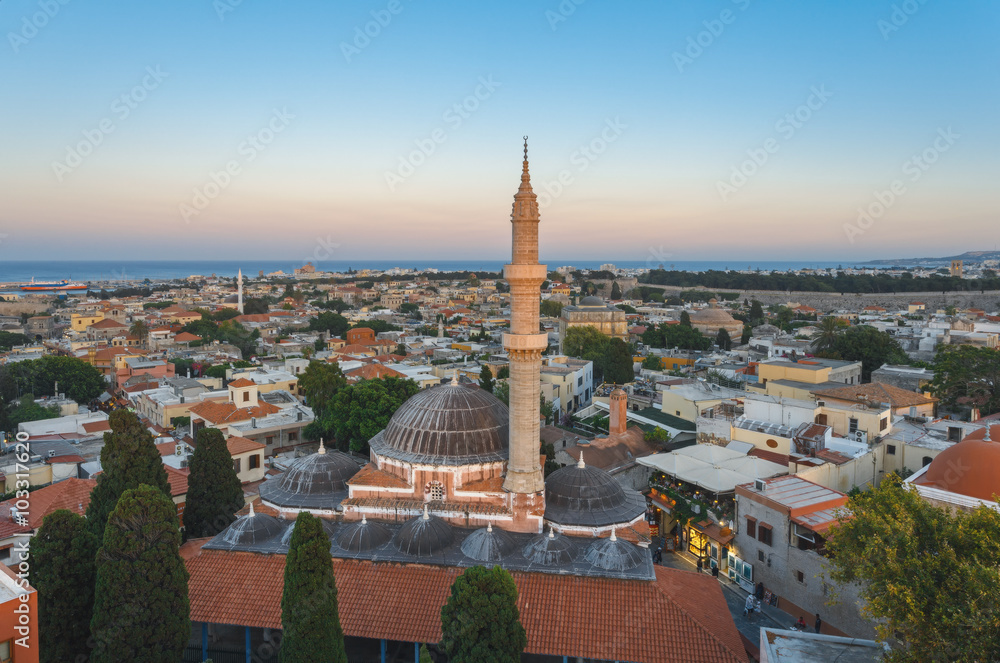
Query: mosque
{"x": 456, "y": 480}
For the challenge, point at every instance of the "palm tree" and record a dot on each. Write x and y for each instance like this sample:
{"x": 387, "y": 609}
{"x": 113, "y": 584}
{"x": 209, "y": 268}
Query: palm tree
{"x": 140, "y": 330}
{"x": 830, "y": 328}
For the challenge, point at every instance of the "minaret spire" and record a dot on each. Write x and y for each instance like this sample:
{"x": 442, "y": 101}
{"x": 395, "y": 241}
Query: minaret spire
{"x": 524, "y": 344}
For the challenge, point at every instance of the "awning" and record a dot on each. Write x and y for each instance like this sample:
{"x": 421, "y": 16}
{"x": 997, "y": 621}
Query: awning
{"x": 713, "y": 468}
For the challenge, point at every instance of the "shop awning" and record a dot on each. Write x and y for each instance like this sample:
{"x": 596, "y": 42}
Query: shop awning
{"x": 713, "y": 468}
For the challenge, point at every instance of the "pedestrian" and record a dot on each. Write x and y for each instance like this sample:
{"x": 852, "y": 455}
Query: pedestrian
{"x": 759, "y": 591}
{"x": 819, "y": 623}
{"x": 748, "y": 606}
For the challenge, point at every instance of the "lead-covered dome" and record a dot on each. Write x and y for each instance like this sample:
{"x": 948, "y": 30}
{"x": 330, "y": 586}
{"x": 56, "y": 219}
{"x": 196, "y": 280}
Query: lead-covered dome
{"x": 589, "y": 496}
{"x": 318, "y": 480}
{"x": 423, "y": 535}
{"x": 613, "y": 554}
{"x": 488, "y": 544}
{"x": 550, "y": 549}
{"x": 452, "y": 424}
{"x": 252, "y": 529}
{"x": 363, "y": 536}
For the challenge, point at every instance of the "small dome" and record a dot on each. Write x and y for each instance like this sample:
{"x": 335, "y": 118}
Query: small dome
{"x": 329, "y": 527}
{"x": 583, "y": 495}
{"x": 253, "y": 529}
{"x": 423, "y": 535}
{"x": 550, "y": 549}
{"x": 452, "y": 424}
{"x": 488, "y": 544}
{"x": 613, "y": 554}
{"x": 364, "y": 535}
{"x": 766, "y": 330}
{"x": 592, "y": 300}
{"x": 970, "y": 467}
{"x": 318, "y": 480}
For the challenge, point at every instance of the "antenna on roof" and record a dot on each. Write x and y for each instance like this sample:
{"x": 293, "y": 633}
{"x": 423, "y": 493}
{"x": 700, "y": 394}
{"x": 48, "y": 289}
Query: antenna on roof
{"x": 580, "y": 462}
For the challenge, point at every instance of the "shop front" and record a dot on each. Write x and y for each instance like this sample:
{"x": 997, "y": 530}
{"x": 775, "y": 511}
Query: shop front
{"x": 663, "y": 517}
{"x": 709, "y": 543}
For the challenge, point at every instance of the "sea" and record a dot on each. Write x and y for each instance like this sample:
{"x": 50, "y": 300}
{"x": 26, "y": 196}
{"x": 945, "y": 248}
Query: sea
{"x": 130, "y": 272}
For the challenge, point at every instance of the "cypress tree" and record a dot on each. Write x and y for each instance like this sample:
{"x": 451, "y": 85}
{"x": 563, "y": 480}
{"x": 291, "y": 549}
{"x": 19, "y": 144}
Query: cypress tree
{"x": 480, "y": 622}
{"x": 685, "y": 319}
{"x": 486, "y": 379}
{"x": 425, "y": 656}
{"x": 310, "y": 620}
{"x": 141, "y": 610}
{"x": 129, "y": 458}
{"x": 214, "y": 491}
{"x": 616, "y": 291}
{"x": 62, "y": 572}
{"x": 722, "y": 339}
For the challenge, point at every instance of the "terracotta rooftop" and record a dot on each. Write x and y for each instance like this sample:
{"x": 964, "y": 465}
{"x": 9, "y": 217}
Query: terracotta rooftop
{"x": 681, "y": 616}
{"x": 241, "y": 445}
{"x": 369, "y": 475}
{"x": 877, "y": 392}
{"x": 186, "y": 337}
{"x": 219, "y": 412}
{"x": 178, "y": 480}
{"x": 373, "y": 372}
{"x": 72, "y": 494}
{"x": 97, "y": 426}
{"x": 242, "y": 382}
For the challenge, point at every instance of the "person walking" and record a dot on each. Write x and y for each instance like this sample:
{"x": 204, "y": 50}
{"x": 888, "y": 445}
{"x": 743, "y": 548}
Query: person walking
{"x": 748, "y": 607}
{"x": 819, "y": 623}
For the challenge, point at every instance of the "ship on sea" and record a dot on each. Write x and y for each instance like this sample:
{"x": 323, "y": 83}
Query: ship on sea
{"x": 65, "y": 284}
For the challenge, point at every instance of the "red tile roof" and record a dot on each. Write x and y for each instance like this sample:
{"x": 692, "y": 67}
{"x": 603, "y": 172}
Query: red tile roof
{"x": 97, "y": 426}
{"x": 72, "y": 494}
{"x": 878, "y": 393}
{"x": 241, "y": 445}
{"x": 372, "y": 476}
{"x": 186, "y": 337}
{"x": 681, "y": 616}
{"x": 219, "y": 412}
{"x": 373, "y": 372}
{"x": 178, "y": 480}
{"x": 242, "y": 382}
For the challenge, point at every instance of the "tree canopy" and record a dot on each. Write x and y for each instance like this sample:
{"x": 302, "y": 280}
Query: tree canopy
{"x": 967, "y": 377}
{"x": 928, "y": 577}
{"x": 215, "y": 493}
{"x": 141, "y": 609}
{"x": 310, "y": 619}
{"x": 329, "y": 321}
{"x": 486, "y": 379}
{"x": 75, "y": 377}
{"x": 129, "y": 458}
{"x": 361, "y": 410}
{"x": 63, "y": 572}
{"x": 612, "y": 358}
{"x": 480, "y": 622}
{"x": 683, "y": 337}
{"x": 10, "y": 339}
{"x": 871, "y": 346}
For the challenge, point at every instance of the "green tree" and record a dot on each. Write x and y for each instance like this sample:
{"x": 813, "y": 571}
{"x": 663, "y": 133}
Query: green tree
{"x": 62, "y": 571}
{"x": 10, "y": 339}
{"x": 502, "y": 391}
{"x": 546, "y": 409}
{"x": 747, "y": 334}
{"x": 616, "y": 291}
{"x": 141, "y": 596}
{"x": 361, "y": 410}
{"x": 75, "y": 377}
{"x": 329, "y": 321}
{"x": 722, "y": 339}
{"x": 255, "y": 307}
{"x": 929, "y": 577}
{"x": 652, "y": 363}
{"x": 551, "y": 308}
{"x": 129, "y": 458}
{"x": 320, "y": 382}
{"x": 549, "y": 451}
{"x": 967, "y": 377}
{"x": 618, "y": 363}
{"x": 830, "y": 329}
{"x": 756, "y": 314}
{"x": 480, "y": 622}
{"x": 870, "y": 346}
{"x": 425, "y": 656}
{"x": 28, "y": 410}
{"x": 140, "y": 330}
{"x": 503, "y": 373}
{"x": 214, "y": 491}
{"x": 486, "y": 379}
{"x": 310, "y": 620}
{"x": 685, "y": 319}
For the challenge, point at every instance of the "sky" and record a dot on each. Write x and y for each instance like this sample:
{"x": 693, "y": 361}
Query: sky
{"x": 673, "y": 130}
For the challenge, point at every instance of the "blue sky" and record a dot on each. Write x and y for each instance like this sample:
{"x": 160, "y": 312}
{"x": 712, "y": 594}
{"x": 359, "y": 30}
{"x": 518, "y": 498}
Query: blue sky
{"x": 674, "y": 99}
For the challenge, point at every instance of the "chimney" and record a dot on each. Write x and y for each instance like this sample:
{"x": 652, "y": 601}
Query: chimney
{"x": 618, "y": 418}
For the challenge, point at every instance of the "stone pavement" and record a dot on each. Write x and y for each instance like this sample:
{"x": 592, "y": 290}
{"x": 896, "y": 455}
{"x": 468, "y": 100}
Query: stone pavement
{"x": 736, "y": 598}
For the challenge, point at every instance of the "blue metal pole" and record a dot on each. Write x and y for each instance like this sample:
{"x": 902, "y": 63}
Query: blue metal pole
{"x": 383, "y": 650}
{"x": 248, "y": 644}
{"x": 416, "y": 652}
{"x": 204, "y": 640}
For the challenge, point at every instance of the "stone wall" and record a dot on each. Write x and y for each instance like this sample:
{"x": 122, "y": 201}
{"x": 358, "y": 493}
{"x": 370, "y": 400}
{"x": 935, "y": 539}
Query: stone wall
{"x": 19, "y": 307}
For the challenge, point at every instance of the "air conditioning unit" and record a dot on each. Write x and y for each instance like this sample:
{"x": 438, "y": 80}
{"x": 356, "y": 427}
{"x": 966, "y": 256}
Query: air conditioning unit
{"x": 52, "y": 453}
{"x": 821, "y": 403}
{"x": 179, "y": 450}
{"x": 759, "y": 485}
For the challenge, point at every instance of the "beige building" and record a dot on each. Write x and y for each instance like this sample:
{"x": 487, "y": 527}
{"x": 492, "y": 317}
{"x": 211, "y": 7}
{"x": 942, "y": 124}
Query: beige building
{"x": 710, "y": 320}
{"x": 594, "y": 312}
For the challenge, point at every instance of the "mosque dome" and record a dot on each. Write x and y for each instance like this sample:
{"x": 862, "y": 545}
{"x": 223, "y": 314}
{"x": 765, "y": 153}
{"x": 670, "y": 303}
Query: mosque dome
{"x": 550, "y": 549}
{"x": 488, "y": 544}
{"x": 363, "y": 536}
{"x": 711, "y": 316}
{"x": 253, "y": 529}
{"x": 592, "y": 300}
{"x": 452, "y": 424}
{"x": 613, "y": 554}
{"x": 588, "y": 496}
{"x": 423, "y": 535}
{"x": 329, "y": 526}
{"x": 313, "y": 481}
{"x": 970, "y": 467}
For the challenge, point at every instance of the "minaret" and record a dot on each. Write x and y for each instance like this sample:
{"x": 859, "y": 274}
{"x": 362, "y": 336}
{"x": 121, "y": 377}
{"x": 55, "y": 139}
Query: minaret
{"x": 239, "y": 292}
{"x": 524, "y": 344}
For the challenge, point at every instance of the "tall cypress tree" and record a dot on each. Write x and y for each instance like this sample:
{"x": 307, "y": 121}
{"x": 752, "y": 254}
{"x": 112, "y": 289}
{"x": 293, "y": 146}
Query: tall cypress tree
{"x": 480, "y": 622}
{"x": 486, "y": 379}
{"x": 141, "y": 609}
{"x": 723, "y": 340}
{"x": 129, "y": 458}
{"x": 62, "y": 571}
{"x": 214, "y": 491}
{"x": 310, "y": 620}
